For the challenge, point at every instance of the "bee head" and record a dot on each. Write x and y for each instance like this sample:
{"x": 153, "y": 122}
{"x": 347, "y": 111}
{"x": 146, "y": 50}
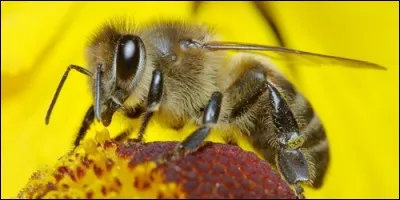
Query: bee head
{"x": 118, "y": 68}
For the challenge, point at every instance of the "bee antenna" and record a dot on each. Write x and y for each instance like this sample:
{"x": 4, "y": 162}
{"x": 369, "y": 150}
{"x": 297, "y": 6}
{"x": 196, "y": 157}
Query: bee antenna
{"x": 61, "y": 84}
{"x": 98, "y": 87}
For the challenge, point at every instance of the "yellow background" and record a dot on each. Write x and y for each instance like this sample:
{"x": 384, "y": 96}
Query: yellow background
{"x": 358, "y": 107}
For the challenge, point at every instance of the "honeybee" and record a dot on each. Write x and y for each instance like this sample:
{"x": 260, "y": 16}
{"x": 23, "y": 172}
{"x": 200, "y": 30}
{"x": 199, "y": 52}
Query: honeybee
{"x": 176, "y": 70}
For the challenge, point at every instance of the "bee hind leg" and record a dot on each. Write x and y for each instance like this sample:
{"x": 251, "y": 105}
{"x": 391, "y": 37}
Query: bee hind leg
{"x": 291, "y": 162}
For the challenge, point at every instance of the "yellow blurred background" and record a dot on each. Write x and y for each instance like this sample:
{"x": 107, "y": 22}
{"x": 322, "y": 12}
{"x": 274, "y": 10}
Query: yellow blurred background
{"x": 358, "y": 107}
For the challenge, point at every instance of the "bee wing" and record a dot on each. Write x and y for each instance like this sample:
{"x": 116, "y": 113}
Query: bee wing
{"x": 292, "y": 55}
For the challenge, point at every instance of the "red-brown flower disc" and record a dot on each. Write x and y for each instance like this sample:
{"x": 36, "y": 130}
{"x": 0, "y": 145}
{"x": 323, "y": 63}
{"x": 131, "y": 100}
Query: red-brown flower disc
{"x": 113, "y": 170}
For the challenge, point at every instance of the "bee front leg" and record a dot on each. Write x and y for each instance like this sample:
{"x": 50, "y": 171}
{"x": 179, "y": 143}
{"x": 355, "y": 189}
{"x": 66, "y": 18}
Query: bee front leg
{"x": 153, "y": 102}
{"x": 291, "y": 162}
{"x": 132, "y": 113}
{"x": 194, "y": 140}
{"x": 87, "y": 121}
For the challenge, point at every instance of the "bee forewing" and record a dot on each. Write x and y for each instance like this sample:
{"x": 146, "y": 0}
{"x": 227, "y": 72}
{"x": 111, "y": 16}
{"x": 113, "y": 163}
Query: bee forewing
{"x": 292, "y": 55}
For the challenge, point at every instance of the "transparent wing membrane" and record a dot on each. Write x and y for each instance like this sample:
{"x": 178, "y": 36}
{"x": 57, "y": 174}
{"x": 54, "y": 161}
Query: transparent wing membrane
{"x": 292, "y": 55}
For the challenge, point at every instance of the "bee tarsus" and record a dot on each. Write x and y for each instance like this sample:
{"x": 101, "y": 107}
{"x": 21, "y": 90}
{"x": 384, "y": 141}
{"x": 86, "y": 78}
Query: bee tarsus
{"x": 210, "y": 117}
{"x": 299, "y": 191}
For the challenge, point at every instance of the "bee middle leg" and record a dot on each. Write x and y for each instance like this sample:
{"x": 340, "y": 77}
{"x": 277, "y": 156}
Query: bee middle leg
{"x": 195, "y": 140}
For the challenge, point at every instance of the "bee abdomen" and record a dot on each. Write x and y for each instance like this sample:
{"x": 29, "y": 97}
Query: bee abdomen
{"x": 252, "y": 111}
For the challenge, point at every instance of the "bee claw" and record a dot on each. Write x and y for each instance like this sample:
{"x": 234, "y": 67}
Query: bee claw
{"x": 137, "y": 141}
{"x": 299, "y": 191}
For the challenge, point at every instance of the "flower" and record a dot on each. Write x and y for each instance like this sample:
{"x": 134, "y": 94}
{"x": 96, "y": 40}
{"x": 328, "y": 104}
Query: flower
{"x": 358, "y": 107}
{"x": 104, "y": 168}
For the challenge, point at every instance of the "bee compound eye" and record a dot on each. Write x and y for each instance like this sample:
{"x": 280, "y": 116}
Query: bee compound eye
{"x": 128, "y": 55}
